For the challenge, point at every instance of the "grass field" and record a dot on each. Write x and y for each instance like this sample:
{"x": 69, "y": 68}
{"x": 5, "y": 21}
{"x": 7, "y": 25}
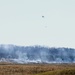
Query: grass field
{"x": 37, "y": 69}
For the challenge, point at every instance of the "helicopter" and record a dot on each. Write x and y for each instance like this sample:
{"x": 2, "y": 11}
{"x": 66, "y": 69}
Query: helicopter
{"x": 42, "y": 16}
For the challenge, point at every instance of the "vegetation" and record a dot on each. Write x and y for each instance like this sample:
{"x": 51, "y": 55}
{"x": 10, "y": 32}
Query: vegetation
{"x": 37, "y": 69}
{"x": 59, "y": 72}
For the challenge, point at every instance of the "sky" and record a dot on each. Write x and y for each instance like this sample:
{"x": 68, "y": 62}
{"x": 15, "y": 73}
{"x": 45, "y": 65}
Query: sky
{"x": 21, "y": 22}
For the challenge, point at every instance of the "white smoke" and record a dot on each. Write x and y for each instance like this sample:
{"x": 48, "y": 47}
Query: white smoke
{"x": 36, "y": 54}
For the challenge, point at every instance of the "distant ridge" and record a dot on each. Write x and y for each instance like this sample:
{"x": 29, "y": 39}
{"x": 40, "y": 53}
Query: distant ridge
{"x": 36, "y": 54}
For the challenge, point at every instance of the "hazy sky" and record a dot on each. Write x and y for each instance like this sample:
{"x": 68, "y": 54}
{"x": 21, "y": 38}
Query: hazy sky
{"x": 21, "y": 22}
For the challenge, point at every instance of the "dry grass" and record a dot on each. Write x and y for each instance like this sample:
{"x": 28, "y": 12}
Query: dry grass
{"x": 32, "y": 69}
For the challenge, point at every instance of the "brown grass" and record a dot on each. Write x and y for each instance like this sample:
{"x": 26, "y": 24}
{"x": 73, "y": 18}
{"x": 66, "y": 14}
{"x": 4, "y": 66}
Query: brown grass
{"x": 31, "y": 69}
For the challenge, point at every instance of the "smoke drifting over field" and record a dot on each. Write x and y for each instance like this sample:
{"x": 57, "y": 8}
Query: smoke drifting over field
{"x": 36, "y": 54}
